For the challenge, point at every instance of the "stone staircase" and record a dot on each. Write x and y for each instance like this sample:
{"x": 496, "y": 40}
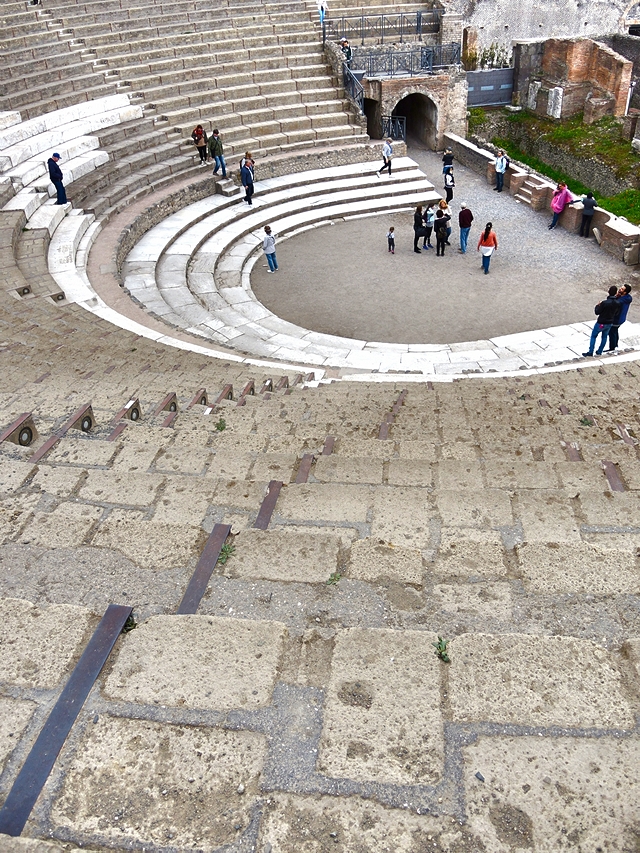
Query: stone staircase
{"x": 311, "y": 652}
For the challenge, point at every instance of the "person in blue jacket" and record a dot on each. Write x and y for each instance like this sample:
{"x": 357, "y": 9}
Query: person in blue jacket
{"x": 625, "y": 299}
{"x": 55, "y": 175}
{"x": 247, "y": 176}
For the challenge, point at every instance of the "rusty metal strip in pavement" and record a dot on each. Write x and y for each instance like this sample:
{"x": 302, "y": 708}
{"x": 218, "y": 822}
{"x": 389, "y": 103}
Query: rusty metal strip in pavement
{"x": 329, "y": 444}
{"x": 203, "y": 571}
{"x": 118, "y": 430}
{"x": 623, "y": 432}
{"x": 58, "y": 434}
{"x": 613, "y": 477}
{"x": 572, "y": 450}
{"x": 39, "y": 763}
{"x": 268, "y": 505}
{"x": 304, "y": 468}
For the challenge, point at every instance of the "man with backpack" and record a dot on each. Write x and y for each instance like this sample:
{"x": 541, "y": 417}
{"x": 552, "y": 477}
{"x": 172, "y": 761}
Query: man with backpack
{"x": 502, "y": 164}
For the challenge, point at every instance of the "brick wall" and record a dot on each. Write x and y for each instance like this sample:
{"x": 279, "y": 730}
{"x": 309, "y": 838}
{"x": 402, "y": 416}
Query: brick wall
{"x": 578, "y": 67}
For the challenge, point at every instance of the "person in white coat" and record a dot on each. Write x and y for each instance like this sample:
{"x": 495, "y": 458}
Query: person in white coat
{"x": 387, "y": 154}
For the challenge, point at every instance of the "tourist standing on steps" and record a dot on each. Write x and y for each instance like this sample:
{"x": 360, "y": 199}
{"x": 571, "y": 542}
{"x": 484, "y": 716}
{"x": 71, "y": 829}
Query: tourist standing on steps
{"x": 391, "y": 240}
{"x": 446, "y": 211}
{"x": 465, "y": 218}
{"x": 55, "y": 176}
{"x": 322, "y": 10}
{"x": 216, "y": 153}
{"x": 624, "y": 299}
{"x": 447, "y": 160}
{"x": 345, "y": 47}
{"x": 561, "y": 198}
{"x": 441, "y": 224}
{"x": 608, "y": 312}
{"x": 200, "y": 140}
{"x": 428, "y": 218}
{"x": 387, "y": 155}
{"x": 418, "y": 228}
{"x": 501, "y": 166}
{"x": 269, "y": 247}
{"x": 449, "y": 184}
{"x": 589, "y": 205}
{"x": 487, "y": 245}
{"x": 247, "y": 173}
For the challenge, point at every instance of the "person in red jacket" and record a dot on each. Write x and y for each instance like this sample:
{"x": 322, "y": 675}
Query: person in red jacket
{"x": 487, "y": 244}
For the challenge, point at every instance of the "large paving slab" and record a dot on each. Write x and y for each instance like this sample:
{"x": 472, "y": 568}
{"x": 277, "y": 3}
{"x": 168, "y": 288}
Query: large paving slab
{"x": 15, "y": 715}
{"x": 150, "y": 544}
{"x": 372, "y": 559}
{"x": 382, "y": 716}
{"x": 133, "y": 782}
{"x": 69, "y": 525}
{"x": 467, "y": 552}
{"x": 537, "y": 681}
{"x": 403, "y": 516}
{"x": 281, "y": 555}
{"x": 547, "y": 516}
{"x": 486, "y": 508}
{"x": 39, "y": 644}
{"x": 13, "y": 474}
{"x": 298, "y": 824}
{"x": 561, "y": 568}
{"x": 128, "y": 488}
{"x": 324, "y": 501}
{"x": 198, "y": 662}
{"x": 554, "y": 794}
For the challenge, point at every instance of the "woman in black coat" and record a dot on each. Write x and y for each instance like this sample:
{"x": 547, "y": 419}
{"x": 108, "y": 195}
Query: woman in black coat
{"x": 418, "y": 229}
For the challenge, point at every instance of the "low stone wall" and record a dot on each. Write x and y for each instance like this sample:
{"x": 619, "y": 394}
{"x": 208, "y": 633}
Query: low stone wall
{"x": 591, "y": 172}
{"x": 618, "y": 237}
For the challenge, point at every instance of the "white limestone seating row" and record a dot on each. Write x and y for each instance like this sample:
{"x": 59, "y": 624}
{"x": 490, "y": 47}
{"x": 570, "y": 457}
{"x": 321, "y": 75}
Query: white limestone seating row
{"x": 546, "y": 350}
{"x": 25, "y": 146}
{"x": 201, "y": 283}
{"x": 211, "y": 300}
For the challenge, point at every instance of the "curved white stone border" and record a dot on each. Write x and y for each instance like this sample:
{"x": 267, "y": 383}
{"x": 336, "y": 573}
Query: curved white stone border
{"x": 177, "y": 244}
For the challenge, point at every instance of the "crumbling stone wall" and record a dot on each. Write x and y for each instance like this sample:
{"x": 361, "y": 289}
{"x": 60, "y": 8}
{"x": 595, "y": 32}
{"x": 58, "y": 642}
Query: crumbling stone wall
{"x": 562, "y": 77}
{"x": 502, "y": 21}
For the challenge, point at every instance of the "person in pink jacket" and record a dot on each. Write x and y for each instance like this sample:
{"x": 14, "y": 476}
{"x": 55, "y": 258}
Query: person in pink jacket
{"x": 561, "y": 198}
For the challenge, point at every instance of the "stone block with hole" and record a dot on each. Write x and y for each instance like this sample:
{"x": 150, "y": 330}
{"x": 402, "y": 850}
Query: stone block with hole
{"x": 381, "y": 722}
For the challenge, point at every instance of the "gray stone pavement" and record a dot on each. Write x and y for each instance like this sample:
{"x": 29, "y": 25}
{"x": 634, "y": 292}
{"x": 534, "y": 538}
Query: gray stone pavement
{"x": 340, "y": 279}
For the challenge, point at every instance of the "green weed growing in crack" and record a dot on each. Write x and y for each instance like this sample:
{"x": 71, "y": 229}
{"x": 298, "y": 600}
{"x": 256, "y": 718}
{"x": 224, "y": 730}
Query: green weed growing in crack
{"x": 586, "y": 422}
{"x": 441, "y": 650}
{"x": 221, "y": 424}
{"x": 227, "y": 551}
{"x": 129, "y": 625}
{"x": 334, "y": 577}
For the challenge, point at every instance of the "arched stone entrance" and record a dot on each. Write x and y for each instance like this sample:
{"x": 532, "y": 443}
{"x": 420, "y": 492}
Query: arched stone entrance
{"x": 421, "y": 114}
{"x": 373, "y": 115}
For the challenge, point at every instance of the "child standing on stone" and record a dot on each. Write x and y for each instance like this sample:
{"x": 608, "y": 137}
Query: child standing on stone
{"x": 391, "y": 240}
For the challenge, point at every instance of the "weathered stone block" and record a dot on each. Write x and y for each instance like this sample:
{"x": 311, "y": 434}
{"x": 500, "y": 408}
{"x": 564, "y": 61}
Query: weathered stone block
{"x": 527, "y": 681}
{"x": 381, "y": 723}
{"x": 198, "y": 662}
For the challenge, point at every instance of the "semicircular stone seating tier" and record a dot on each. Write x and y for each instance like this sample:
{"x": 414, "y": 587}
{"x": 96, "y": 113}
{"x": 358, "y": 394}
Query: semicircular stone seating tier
{"x": 193, "y": 270}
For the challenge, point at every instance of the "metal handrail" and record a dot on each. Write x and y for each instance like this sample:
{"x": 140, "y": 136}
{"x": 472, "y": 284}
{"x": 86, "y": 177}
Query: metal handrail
{"x": 353, "y": 87}
{"x": 396, "y": 26}
{"x": 394, "y": 127}
{"x": 416, "y": 61}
